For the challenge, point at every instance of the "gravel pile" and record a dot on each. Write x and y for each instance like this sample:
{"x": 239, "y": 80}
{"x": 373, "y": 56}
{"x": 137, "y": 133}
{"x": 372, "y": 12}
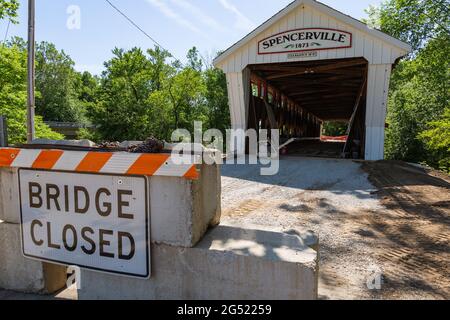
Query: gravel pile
{"x": 109, "y": 145}
{"x": 151, "y": 145}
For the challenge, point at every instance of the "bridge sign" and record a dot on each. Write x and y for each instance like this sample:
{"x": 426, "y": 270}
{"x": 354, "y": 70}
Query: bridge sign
{"x": 98, "y": 222}
{"x": 310, "y": 39}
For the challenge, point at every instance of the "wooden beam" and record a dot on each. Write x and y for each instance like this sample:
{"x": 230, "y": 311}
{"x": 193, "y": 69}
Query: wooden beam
{"x": 320, "y": 99}
{"x": 299, "y": 64}
{"x": 308, "y": 78}
{"x": 324, "y": 85}
{"x": 339, "y": 107}
{"x": 356, "y": 108}
{"x": 302, "y": 93}
{"x": 333, "y": 66}
{"x": 271, "y": 116}
{"x": 295, "y": 83}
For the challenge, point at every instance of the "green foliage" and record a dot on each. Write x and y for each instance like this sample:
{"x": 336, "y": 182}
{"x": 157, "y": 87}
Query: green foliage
{"x": 13, "y": 96}
{"x": 419, "y": 92}
{"x": 334, "y": 129}
{"x": 8, "y": 9}
{"x": 87, "y": 88}
{"x": 145, "y": 94}
{"x": 140, "y": 94}
{"x": 218, "y": 112}
{"x": 413, "y": 21}
{"x": 88, "y": 134}
{"x": 419, "y": 95}
{"x": 58, "y": 84}
{"x": 194, "y": 59}
{"x": 123, "y": 112}
{"x": 185, "y": 93}
{"x": 437, "y": 140}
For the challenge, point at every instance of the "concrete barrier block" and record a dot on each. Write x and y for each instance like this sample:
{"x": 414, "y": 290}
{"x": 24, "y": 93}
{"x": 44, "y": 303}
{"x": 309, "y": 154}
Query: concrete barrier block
{"x": 75, "y": 143}
{"x": 303, "y": 237}
{"x": 229, "y": 263}
{"x": 9, "y": 195}
{"x": 21, "y": 274}
{"x": 207, "y": 193}
{"x": 183, "y": 210}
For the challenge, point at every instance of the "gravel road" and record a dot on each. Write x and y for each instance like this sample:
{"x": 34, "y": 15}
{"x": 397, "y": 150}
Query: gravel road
{"x": 336, "y": 200}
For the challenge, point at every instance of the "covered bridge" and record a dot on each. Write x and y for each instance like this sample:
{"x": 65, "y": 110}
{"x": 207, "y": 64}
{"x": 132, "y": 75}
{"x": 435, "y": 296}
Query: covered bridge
{"x": 310, "y": 64}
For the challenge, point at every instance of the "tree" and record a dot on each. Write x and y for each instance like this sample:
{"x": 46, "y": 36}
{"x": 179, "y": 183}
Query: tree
{"x": 419, "y": 91}
{"x": 218, "y": 112}
{"x": 123, "y": 110}
{"x": 87, "y": 88}
{"x": 160, "y": 69}
{"x": 150, "y": 94}
{"x": 13, "y": 96}
{"x": 419, "y": 95}
{"x": 437, "y": 140}
{"x": 58, "y": 84}
{"x": 194, "y": 59}
{"x": 185, "y": 93}
{"x": 413, "y": 21}
{"x": 144, "y": 95}
{"x": 335, "y": 129}
{"x": 8, "y": 9}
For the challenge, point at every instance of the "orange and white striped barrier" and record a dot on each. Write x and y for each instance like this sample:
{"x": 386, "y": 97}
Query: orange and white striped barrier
{"x": 100, "y": 162}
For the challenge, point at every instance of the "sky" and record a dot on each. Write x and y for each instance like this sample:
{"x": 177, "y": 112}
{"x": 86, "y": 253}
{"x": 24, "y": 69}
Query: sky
{"x": 88, "y": 30}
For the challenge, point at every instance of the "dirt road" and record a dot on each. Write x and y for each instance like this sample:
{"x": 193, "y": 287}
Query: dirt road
{"x": 376, "y": 221}
{"x": 413, "y": 231}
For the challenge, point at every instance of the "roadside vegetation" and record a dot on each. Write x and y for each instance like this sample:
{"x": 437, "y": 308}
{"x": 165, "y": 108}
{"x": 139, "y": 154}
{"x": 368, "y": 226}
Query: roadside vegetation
{"x": 146, "y": 93}
{"x": 418, "y": 108}
{"x": 334, "y": 129}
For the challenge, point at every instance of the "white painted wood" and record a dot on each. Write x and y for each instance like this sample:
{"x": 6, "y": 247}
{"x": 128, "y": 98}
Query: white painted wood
{"x": 231, "y": 103}
{"x": 378, "y": 86}
{"x": 376, "y": 110}
{"x": 378, "y": 53}
{"x": 374, "y": 143}
{"x": 358, "y": 44}
{"x": 376, "y": 47}
{"x": 246, "y": 85}
{"x": 236, "y": 99}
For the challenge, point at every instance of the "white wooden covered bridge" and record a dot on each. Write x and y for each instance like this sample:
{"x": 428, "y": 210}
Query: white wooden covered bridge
{"x": 309, "y": 64}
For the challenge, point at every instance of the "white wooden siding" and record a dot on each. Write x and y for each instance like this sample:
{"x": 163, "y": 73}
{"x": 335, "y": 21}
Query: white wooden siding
{"x": 374, "y": 143}
{"x": 247, "y": 88}
{"x": 237, "y": 102}
{"x": 373, "y": 49}
{"x": 376, "y": 110}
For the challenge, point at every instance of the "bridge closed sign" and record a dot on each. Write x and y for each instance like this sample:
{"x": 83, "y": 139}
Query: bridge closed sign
{"x": 97, "y": 222}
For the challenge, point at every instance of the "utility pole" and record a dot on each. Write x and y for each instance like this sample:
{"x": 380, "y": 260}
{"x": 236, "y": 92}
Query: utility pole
{"x": 3, "y": 132}
{"x": 31, "y": 71}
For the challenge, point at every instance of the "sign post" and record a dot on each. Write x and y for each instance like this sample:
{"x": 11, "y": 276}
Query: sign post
{"x": 93, "y": 221}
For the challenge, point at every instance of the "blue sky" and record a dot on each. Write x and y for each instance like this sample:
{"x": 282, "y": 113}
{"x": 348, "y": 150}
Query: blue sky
{"x": 210, "y": 25}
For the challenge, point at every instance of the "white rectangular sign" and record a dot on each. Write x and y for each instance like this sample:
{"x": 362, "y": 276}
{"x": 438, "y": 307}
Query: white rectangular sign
{"x": 309, "y": 54}
{"x": 305, "y": 40}
{"x": 98, "y": 222}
